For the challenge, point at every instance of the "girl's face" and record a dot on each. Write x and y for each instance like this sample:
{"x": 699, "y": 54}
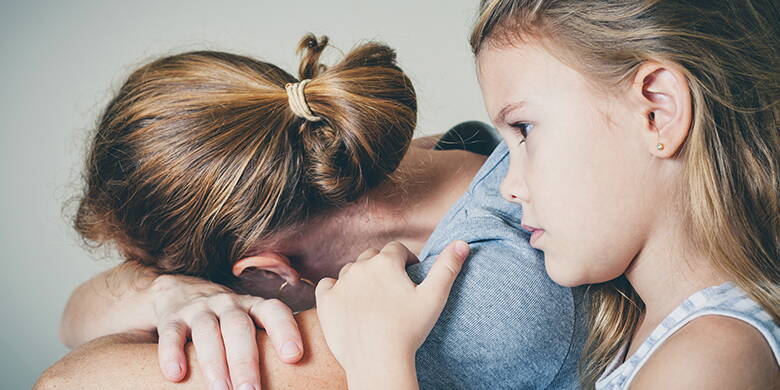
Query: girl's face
{"x": 581, "y": 174}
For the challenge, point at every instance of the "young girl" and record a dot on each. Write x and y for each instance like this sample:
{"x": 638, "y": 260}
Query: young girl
{"x": 645, "y": 150}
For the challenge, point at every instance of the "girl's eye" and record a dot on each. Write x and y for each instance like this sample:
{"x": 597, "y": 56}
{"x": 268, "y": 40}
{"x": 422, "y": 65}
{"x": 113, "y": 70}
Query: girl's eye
{"x": 522, "y": 128}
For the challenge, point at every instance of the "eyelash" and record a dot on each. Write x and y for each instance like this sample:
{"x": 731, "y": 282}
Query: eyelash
{"x": 522, "y": 129}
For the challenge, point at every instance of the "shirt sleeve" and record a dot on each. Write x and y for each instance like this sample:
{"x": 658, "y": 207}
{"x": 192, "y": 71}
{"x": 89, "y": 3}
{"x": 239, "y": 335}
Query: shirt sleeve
{"x": 506, "y": 324}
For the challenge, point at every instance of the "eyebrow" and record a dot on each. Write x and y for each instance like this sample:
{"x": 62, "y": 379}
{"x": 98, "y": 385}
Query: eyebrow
{"x": 499, "y": 118}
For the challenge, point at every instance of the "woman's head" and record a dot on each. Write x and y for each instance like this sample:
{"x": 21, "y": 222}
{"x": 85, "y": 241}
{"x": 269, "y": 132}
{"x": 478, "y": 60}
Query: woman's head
{"x": 199, "y": 158}
{"x": 606, "y": 82}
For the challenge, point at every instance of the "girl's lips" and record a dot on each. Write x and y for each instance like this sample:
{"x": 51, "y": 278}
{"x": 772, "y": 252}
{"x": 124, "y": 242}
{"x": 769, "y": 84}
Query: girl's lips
{"x": 530, "y": 229}
{"x": 535, "y": 233}
{"x": 535, "y": 236}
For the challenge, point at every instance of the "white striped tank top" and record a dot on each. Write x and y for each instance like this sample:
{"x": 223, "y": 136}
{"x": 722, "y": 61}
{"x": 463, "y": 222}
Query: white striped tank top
{"x": 726, "y": 299}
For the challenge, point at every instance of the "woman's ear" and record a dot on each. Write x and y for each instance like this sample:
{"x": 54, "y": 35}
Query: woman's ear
{"x": 665, "y": 104}
{"x": 271, "y": 262}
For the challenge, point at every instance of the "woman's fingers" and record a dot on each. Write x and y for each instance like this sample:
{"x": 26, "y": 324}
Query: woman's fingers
{"x": 446, "y": 268}
{"x": 238, "y": 333}
{"x": 170, "y": 350}
{"x": 207, "y": 338}
{"x": 278, "y": 321}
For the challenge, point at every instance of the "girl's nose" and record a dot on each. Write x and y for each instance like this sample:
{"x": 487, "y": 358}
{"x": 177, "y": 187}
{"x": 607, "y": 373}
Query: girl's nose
{"x": 513, "y": 187}
{"x": 514, "y": 191}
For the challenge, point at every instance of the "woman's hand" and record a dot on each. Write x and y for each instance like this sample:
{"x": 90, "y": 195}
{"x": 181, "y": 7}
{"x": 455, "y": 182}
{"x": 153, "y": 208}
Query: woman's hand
{"x": 375, "y": 318}
{"x": 222, "y": 327}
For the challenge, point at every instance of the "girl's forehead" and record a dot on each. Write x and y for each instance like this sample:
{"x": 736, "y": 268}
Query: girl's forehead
{"x": 520, "y": 72}
{"x": 524, "y": 63}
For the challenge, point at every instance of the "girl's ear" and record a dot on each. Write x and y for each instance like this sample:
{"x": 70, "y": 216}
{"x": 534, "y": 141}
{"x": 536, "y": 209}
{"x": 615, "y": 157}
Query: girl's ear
{"x": 665, "y": 104}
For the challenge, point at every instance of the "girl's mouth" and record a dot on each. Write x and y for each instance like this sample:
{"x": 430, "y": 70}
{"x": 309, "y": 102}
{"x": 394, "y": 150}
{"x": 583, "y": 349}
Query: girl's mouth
{"x": 535, "y": 233}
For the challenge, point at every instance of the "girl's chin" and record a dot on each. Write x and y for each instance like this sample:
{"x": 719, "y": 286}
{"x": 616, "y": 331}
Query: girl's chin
{"x": 563, "y": 275}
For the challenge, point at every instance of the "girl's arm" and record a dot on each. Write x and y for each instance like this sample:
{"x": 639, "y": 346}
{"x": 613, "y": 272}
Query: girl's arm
{"x": 374, "y": 317}
{"x": 220, "y": 323}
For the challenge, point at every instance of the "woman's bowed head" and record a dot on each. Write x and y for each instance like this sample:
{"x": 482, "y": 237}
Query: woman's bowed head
{"x": 201, "y": 159}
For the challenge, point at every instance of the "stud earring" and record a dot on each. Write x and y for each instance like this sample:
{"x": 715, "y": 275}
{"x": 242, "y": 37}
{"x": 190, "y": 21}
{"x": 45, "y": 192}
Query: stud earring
{"x": 652, "y": 116}
{"x": 660, "y": 146}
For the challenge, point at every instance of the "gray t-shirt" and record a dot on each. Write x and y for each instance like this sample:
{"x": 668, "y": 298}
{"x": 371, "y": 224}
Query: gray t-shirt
{"x": 506, "y": 324}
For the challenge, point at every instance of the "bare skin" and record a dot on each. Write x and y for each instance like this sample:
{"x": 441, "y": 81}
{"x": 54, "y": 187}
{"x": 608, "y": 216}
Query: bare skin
{"x": 129, "y": 361}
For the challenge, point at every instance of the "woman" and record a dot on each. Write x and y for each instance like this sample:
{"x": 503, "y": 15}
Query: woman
{"x": 205, "y": 164}
{"x": 214, "y": 165}
{"x": 645, "y": 147}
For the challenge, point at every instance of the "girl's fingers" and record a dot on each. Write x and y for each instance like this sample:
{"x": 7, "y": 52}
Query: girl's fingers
{"x": 170, "y": 350}
{"x": 446, "y": 268}
{"x": 324, "y": 285}
{"x": 238, "y": 332}
{"x": 278, "y": 321}
{"x": 345, "y": 268}
{"x": 207, "y": 338}
{"x": 397, "y": 254}
{"x": 367, "y": 254}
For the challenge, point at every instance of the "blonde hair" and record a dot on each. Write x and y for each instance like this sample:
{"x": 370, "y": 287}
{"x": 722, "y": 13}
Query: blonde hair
{"x": 730, "y": 55}
{"x": 199, "y": 157}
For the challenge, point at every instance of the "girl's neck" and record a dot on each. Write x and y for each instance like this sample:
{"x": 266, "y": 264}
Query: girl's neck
{"x": 406, "y": 209}
{"x": 667, "y": 270}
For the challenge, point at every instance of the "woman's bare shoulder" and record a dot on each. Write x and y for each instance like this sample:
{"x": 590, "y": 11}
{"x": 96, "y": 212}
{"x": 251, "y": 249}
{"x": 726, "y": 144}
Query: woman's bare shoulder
{"x": 712, "y": 352}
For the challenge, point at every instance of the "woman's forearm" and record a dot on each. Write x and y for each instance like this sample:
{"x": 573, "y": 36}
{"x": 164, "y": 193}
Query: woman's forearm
{"x": 114, "y": 301}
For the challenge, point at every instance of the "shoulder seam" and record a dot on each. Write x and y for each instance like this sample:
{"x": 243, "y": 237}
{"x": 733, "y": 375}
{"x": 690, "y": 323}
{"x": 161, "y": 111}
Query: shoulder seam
{"x": 477, "y": 181}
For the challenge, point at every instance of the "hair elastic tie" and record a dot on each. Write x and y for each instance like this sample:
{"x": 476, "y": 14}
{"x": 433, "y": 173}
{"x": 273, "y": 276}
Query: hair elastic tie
{"x": 297, "y": 101}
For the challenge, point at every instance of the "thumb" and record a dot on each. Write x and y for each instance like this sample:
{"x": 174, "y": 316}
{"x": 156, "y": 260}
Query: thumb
{"x": 446, "y": 268}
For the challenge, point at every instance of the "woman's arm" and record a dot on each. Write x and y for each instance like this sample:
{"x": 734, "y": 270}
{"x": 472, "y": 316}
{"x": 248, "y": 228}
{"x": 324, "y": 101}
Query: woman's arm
{"x": 220, "y": 323}
{"x": 129, "y": 361}
{"x": 115, "y": 301}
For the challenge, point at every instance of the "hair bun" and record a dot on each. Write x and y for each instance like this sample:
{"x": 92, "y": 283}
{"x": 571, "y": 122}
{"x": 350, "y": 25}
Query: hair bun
{"x": 311, "y": 48}
{"x": 369, "y": 112}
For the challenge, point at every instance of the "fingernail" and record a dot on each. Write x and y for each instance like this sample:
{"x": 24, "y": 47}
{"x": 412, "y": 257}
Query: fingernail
{"x": 247, "y": 386}
{"x": 461, "y": 248}
{"x": 290, "y": 349}
{"x": 173, "y": 369}
{"x": 219, "y": 385}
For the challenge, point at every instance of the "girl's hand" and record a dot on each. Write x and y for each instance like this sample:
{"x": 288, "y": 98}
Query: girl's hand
{"x": 375, "y": 318}
{"x": 222, "y": 327}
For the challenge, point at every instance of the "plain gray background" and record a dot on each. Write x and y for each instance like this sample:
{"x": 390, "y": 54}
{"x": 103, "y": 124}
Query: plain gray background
{"x": 61, "y": 62}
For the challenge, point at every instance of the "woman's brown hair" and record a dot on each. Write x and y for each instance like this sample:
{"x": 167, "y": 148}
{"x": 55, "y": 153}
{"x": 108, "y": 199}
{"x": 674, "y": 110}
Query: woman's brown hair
{"x": 730, "y": 53}
{"x": 198, "y": 157}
